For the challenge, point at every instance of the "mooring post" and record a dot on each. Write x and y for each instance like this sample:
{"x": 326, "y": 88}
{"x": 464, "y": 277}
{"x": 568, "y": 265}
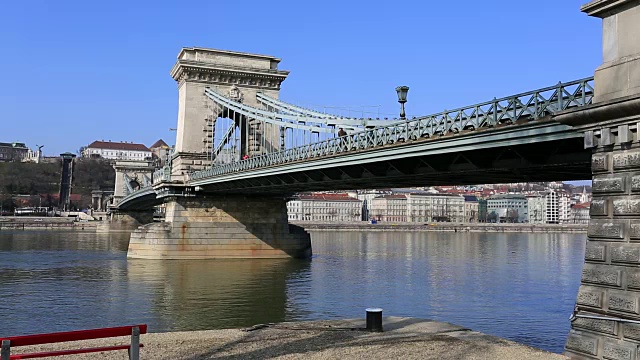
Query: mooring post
{"x": 134, "y": 350}
{"x": 5, "y": 354}
{"x": 374, "y": 319}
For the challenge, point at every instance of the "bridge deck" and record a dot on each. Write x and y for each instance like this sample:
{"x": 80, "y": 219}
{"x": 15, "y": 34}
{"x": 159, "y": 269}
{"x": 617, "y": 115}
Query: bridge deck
{"x": 511, "y": 139}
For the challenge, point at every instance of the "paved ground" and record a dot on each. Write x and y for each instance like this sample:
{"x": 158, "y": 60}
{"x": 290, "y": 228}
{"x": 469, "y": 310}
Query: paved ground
{"x": 404, "y": 338}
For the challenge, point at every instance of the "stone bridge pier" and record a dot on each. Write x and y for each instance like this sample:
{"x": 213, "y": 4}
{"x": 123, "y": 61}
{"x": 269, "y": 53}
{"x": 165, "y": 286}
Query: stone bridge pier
{"x": 221, "y": 227}
{"x": 606, "y": 321}
{"x": 201, "y": 226}
{"x": 119, "y": 221}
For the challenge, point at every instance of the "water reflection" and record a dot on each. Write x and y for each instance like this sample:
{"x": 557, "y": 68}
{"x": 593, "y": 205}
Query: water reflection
{"x": 518, "y": 286}
{"x": 62, "y": 240}
{"x": 206, "y": 294}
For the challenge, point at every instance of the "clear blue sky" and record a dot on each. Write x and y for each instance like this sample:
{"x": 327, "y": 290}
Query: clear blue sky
{"x": 78, "y": 71}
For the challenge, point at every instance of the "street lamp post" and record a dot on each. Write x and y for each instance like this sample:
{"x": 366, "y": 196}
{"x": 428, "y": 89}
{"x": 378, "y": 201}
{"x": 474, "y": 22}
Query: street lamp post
{"x": 402, "y": 99}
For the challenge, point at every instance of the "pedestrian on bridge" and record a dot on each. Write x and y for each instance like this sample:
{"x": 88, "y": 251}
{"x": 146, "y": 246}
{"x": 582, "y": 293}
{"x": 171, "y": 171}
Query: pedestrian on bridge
{"x": 341, "y": 134}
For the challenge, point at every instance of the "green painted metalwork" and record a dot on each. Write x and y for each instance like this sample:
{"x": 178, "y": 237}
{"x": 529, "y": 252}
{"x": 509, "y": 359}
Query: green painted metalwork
{"x": 318, "y": 117}
{"x": 512, "y": 111}
{"x": 527, "y": 106}
{"x": 541, "y": 132}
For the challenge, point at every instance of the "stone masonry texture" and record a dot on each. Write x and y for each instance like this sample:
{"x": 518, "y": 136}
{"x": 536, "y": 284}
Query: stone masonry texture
{"x": 610, "y": 284}
{"x": 606, "y": 324}
{"x": 222, "y": 227}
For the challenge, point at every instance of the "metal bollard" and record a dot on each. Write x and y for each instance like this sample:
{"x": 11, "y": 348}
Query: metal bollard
{"x": 134, "y": 349}
{"x": 5, "y": 353}
{"x": 374, "y": 319}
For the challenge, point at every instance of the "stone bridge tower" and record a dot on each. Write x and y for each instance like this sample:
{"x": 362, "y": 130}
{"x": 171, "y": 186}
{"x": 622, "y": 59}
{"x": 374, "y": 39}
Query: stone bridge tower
{"x": 131, "y": 175}
{"x": 233, "y": 74}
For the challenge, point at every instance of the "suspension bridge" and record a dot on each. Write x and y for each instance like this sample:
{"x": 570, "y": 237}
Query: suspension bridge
{"x": 241, "y": 151}
{"x": 282, "y": 148}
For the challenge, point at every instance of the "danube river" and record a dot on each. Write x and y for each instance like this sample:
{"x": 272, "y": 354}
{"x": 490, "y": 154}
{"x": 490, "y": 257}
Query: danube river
{"x": 517, "y": 286}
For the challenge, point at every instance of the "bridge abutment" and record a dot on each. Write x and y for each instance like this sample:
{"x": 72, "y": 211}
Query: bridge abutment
{"x": 606, "y": 321}
{"x": 610, "y": 286}
{"x": 125, "y": 221}
{"x": 221, "y": 227}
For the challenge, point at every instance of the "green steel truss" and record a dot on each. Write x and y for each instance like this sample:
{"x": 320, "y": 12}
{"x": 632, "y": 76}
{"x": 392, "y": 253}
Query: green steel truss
{"x": 372, "y": 134}
{"x": 507, "y": 111}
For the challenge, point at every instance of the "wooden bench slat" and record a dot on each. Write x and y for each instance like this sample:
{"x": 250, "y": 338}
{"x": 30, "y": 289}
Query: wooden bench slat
{"x": 69, "y": 352}
{"x": 66, "y": 336}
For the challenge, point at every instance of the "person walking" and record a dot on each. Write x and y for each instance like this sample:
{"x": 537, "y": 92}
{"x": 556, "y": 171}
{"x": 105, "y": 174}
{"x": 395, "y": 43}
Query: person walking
{"x": 341, "y": 134}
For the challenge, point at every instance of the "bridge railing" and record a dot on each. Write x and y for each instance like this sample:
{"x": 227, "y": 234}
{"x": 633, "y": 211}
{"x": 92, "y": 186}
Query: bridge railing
{"x": 527, "y": 106}
{"x": 161, "y": 175}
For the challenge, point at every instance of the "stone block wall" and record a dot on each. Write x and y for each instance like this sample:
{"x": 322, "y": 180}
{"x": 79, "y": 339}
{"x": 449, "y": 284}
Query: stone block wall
{"x": 610, "y": 285}
{"x": 188, "y": 162}
{"x": 127, "y": 222}
{"x": 221, "y": 227}
{"x": 619, "y": 74}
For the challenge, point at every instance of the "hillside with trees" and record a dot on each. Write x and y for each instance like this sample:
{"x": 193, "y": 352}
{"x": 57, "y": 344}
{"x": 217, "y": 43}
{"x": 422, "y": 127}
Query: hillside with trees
{"x": 31, "y": 184}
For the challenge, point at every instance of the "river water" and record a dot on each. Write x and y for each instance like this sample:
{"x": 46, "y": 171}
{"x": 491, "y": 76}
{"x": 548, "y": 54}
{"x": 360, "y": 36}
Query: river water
{"x": 517, "y": 286}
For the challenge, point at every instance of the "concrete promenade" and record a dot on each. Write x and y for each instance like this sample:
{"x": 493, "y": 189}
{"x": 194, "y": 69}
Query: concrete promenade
{"x": 404, "y": 338}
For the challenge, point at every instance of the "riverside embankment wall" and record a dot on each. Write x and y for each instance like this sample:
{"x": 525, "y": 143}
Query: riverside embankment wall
{"x": 440, "y": 227}
{"x": 44, "y": 223}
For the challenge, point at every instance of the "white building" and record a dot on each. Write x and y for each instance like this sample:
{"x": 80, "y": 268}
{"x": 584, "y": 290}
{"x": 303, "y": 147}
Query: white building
{"x": 537, "y": 207}
{"x": 558, "y": 207}
{"x": 553, "y": 213}
{"x": 508, "y": 208}
{"x": 324, "y": 208}
{"x": 367, "y": 197}
{"x": 584, "y": 197}
{"x": 580, "y": 213}
{"x": 419, "y": 207}
{"x": 422, "y": 207}
{"x": 389, "y": 208}
{"x": 33, "y": 156}
{"x": 564, "y": 208}
{"x": 117, "y": 151}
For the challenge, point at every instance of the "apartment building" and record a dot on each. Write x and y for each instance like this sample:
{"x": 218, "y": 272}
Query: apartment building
{"x": 423, "y": 207}
{"x": 324, "y": 208}
{"x": 512, "y": 208}
{"x": 580, "y": 213}
{"x": 389, "y": 208}
{"x": 537, "y": 209}
{"x": 558, "y": 207}
{"x": 471, "y": 208}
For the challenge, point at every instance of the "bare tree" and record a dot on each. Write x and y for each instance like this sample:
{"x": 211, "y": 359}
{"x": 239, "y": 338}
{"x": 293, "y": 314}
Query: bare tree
{"x": 81, "y": 150}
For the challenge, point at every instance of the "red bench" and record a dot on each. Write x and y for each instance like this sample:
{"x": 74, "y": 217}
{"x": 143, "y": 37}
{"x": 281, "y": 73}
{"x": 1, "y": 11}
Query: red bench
{"x": 134, "y": 347}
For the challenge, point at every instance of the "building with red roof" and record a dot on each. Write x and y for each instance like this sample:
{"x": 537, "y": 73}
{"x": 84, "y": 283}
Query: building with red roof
{"x": 580, "y": 213}
{"x": 117, "y": 151}
{"x": 160, "y": 151}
